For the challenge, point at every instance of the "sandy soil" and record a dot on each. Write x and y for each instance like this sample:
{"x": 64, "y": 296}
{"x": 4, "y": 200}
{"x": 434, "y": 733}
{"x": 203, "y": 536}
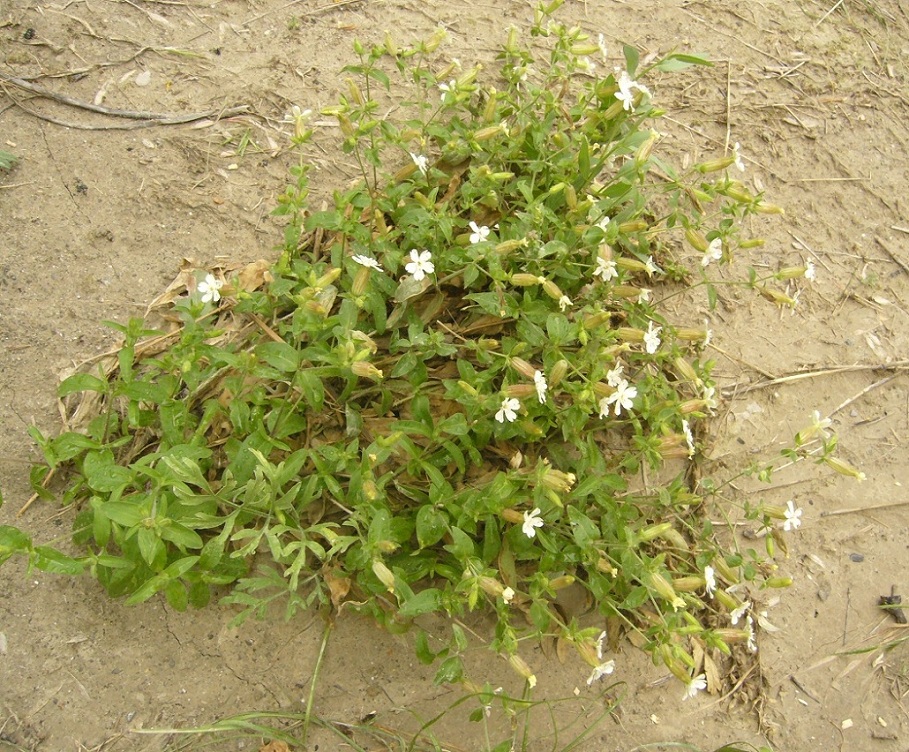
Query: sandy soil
{"x": 99, "y": 213}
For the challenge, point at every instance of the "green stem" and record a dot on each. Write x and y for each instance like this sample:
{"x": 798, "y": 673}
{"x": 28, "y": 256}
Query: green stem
{"x": 312, "y": 682}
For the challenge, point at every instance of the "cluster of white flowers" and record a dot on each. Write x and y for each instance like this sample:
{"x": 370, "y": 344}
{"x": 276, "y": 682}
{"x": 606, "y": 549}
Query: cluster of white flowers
{"x": 625, "y": 94}
{"x": 623, "y": 396}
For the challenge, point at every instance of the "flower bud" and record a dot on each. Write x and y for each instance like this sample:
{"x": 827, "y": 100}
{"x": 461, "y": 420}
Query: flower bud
{"x": 551, "y": 288}
{"x": 522, "y": 669}
{"x": 712, "y": 165}
{"x": 606, "y": 567}
{"x": 557, "y": 480}
{"x": 725, "y": 571}
{"x": 765, "y": 208}
{"x": 523, "y": 367}
{"x": 521, "y": 391}
{"x": 385, "y": 575}
{"x": 558, "y": 373}
{"x": 484, "y": 134}
{"x": 507, "y": 246}
{"x": 791, "y": 272}
{"x": 752, "y": 243}
{"x": 628, "y": 334}
{"x": 366, "y": 370}
{"x": 775, "y": 296}
{"x": 584, "y": 49}
{"x": 560, "y": 583}
{"x": 432, "y": 44}
{"x": 631, "y": 264}
{"x": 491, "y": 586}
{"x": 696, "y": 240}
{"x": 524, "y": 280}
{"x": 689, "y": 584}
{"x": 489, "y": 111}
{"x": 844, "y": 468}
{"x": 513, "y": 516}
{"x": 468, "y": 388}
{"x": 637, "y": 225}
{"x": 654, "y": 531}
{"x": 361, "y": 281}
{"x": 683, "y": 367}
{"x": 778, "y": 582}
{"x": 626, "y": 292}
{"x": 665, "y": 590}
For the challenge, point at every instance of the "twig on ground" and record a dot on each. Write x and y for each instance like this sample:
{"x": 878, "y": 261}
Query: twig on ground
{"x": 824, "y": 17}
{"x": 810, "y": 373}
{"x": 313, "y": 12}
{"x": 146, "y": 118}
{"x": 859, "y": 510}
{"x": 864, "y": 391}
{"x": 893, "y": 257}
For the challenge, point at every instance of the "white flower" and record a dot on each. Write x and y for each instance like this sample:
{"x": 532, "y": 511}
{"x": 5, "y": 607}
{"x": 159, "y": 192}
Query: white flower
{"x": 600, "y": 639}
{"x": 210, "y": 288}
{"x": 615, "y": 377}
{"x": 479, "y": 234}
{"x": 710, "y": 579}
{"x": 539, "y": 381}
{"x": 714, "y": 252}
{"x": 695, "y": 684}
{"x": 450, "y": 88}
{"x": 739, "y": 613}
{"x": 625, "y": 94}
{"x": 819, "y": 424}
{"x": 710, "y": 398}
{"x": 604, "y": 223}
{"x": 585, "y": 63}
{"x": 605, "y": 269}
{"x": 652, "y": 338}
{"x": 507, "y": 595}
{"x": 622, "y": 399}
{"x": 564, "y": 302}
{"x": 296, "y": 115}
{"x": 752, "y": 643}
{"x": 532, "y": 521}
{"x": 708, "y": 334}
{"x": 738, "y": 158}
{"x": 604, "y": 669}
{"x": 793, "y": 517}
{"x": 367, "y": 261}
{"x": 420, "y": 161}
{"x": 810, "y": 271}
{"x": 650, "y": 267}
{"x": 689, "y": 440}
{"x": 420, "y": 264}
{"x": 644, "y": 295}
{"x": 601, "y": 43}
{"x": 508, "y": 410}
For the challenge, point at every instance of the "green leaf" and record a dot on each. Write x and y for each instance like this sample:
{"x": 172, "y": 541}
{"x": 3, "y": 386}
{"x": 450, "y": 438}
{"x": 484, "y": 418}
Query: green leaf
{"x": 185, "y": 469}
{"x": 463, "y": 547}
{"x": 432, "y": 524}
{"x": 451, "y": 671}
{"x": 102, "y": 473}
{"x": 679, "y": 61}
{"x": 81, "y": 382}
{"x": 150, "y": 545}
{"x": 51, "y": 560}
{"x": 455, "y": 424}
{"x": 279, "y": 355}
{"x": 558, "y": 328}
{"x": 312, "y": 388}
{"x": 199, "y": 595}
{"x": 423, "y": 651}
{"x": 631, "y": 59}
{"x": 175, "y": 592}
{"x": 181, "y": 536}
{"x": 424, "y": 602}
{"x": 147, "y": 590}
{"x": 12, "y": 541}
{"x": 123, "y": 513}
{"x": 635, "y": 598}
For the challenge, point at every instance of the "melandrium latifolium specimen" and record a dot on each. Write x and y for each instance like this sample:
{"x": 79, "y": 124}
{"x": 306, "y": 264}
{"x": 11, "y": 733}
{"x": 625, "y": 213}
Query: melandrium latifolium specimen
{"x": 457, "y": 387}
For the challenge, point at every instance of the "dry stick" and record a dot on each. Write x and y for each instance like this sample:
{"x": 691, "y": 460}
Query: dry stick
{"x": 859, "y": 510}
{"x": 901, "y": 229}
{"x": 864, "y": 391}
{"x": 314, "y": 11}
{"x": 34, "y": 496}
{"x": 157, "y": 118}
{"x": 893, "y": 257}
{"x": 811, "y": 373}
{"x": 824, "y": 17}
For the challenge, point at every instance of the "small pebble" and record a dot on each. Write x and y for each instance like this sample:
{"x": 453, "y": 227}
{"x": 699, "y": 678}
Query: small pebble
{"x": 857, "y": 558}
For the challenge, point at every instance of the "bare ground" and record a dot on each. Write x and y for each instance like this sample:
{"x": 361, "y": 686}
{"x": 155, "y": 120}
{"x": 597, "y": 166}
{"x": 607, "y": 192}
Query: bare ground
{"x": 98, "y": 215}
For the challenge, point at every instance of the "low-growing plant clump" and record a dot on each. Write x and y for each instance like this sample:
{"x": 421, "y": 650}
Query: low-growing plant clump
{"x": 457, "y": 388}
